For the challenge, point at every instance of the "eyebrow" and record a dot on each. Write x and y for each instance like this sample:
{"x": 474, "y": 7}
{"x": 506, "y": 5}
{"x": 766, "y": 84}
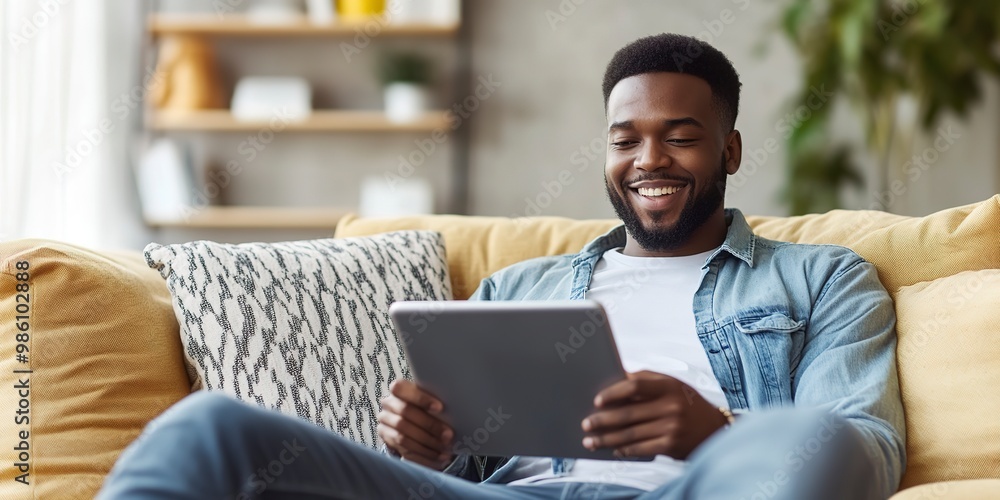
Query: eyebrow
{"x": 673, "y": 122}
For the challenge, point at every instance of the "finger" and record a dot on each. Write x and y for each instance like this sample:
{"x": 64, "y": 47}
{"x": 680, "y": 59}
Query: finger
{"x": 642, "y": 385}
{"x": 623, "y": 392}
{"x": 408, "y": 428}
{"x": 410, "y": 392}
{"x": 626, "y": 415}
{"x": 426, "y": 421}
{"x": 615, "y": 392}
{"x": 409, "y": 447}
{"x": 632, "y": 435}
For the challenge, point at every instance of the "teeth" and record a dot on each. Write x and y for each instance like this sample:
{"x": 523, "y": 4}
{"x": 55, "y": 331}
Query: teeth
{"x": 659, "y": 191}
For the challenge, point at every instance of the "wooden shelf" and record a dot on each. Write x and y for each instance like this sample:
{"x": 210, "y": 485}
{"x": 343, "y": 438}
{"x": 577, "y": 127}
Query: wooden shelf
{"x": 258, "y": 218}
{"x": 234, "y": 25}
{"x": 318, "y": 121}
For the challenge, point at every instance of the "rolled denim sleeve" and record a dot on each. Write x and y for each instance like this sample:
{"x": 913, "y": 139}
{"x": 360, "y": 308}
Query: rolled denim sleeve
{"x": 848, "y": 364}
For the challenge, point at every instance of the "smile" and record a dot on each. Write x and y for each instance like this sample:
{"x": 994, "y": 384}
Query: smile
{"x": 658, "y": 191}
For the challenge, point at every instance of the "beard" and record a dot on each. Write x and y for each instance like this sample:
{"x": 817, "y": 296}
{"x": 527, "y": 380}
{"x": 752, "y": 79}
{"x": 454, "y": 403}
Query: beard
{"x": 697, "y": 210}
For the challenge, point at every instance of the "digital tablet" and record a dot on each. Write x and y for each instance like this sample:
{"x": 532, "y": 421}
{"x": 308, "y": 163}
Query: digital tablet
{"x": 516, "y": 378}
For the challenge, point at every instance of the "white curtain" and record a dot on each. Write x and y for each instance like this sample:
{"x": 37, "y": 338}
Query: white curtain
{"x": 62, "y": 136}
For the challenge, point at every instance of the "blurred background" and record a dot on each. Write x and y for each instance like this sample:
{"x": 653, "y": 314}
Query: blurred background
{"x": 125, "y": 122}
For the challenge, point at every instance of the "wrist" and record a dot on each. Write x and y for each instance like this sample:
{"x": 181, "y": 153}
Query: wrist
{"x": 728, "y": 416}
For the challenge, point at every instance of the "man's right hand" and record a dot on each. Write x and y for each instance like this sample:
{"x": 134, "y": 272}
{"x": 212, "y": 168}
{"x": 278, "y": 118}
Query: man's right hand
{"x": 410, "y": 425}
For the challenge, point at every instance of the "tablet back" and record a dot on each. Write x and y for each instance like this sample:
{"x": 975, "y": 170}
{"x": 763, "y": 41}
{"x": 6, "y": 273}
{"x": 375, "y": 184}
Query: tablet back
{"x": 516, "y": 378}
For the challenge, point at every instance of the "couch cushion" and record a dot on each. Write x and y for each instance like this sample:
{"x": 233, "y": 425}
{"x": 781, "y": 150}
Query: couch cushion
{"x": 479, "y": 246}
{"x": 972, "y": 489}
{"x": 905, "y": 250}
{"x": 949, "y": 372}
{"x": 105, "y": 357}
{"x": 301, "y": 327}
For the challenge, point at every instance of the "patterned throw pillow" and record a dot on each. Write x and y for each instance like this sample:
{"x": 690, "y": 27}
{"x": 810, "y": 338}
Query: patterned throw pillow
{"x": 301, "y": 327}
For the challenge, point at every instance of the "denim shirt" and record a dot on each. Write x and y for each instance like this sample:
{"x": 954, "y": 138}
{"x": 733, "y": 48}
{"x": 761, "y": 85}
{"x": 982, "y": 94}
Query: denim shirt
{"x": 782, "y": 324}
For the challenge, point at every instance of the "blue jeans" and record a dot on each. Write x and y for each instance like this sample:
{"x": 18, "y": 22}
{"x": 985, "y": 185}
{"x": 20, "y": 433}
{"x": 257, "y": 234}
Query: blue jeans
{"x": 212, "y": 446}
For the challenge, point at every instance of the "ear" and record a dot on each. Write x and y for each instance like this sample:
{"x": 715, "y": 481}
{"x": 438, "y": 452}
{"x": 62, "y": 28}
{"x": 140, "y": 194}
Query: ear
{"x": 733, "y": 152}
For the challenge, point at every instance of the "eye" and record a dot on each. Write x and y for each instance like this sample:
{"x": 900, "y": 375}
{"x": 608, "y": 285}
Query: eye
{"x": 623, "y": 143}
{"x": 680, "y": 142}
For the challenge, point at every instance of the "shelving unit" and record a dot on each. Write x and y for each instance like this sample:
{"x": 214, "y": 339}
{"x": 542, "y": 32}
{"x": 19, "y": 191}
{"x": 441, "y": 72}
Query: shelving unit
{"x": 323, "y": 120}
{"x": 210, "y": 25}
{"x": 231, "y": 25}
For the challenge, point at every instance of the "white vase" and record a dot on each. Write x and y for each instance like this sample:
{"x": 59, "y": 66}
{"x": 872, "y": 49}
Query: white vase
{"x": 405, "y": 102}
{"x": 408, "y": 11}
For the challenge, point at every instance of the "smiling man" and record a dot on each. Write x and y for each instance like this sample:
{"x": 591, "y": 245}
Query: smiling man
{"x": 757, "y": 369}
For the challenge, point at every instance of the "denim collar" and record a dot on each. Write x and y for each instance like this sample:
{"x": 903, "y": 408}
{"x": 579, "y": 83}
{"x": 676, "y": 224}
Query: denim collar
{"x": 740, "y": 241}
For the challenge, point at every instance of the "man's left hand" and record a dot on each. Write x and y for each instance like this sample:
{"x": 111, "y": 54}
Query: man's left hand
{"x": 649, "y": 414}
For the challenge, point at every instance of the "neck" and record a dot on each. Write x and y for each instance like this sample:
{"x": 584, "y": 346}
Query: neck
{"x": 710, "y": 235}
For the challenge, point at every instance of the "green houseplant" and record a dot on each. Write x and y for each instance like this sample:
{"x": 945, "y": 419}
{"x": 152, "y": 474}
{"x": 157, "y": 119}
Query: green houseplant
{"x": 405, "y": 79}
{"x": 873, "y": 53}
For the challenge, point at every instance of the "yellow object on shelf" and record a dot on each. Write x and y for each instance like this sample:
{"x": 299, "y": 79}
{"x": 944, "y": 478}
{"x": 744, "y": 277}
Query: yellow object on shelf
{"x": 359, "y": 10}
{"x": 186, "y": 77}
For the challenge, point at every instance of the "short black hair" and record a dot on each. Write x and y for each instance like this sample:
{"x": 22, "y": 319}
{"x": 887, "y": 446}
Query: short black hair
{"x": 673, "y": 53}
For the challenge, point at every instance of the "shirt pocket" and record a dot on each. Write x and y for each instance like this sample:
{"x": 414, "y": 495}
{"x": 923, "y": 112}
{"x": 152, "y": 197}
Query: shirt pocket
{"x": 771, "y": 345}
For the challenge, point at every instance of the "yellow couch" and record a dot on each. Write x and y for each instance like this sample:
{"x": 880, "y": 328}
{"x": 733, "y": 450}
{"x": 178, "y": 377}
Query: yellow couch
{"x": 105, "y": 357}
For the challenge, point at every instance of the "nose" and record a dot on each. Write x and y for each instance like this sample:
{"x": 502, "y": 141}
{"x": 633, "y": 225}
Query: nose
{"x": 652, "y": 156}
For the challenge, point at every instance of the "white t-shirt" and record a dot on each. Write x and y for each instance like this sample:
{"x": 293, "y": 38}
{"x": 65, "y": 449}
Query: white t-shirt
{"x": 649, "y": 302}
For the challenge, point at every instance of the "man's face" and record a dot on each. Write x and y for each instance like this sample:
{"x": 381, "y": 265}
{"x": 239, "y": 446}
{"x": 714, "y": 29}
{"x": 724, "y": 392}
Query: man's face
{"x": 668, "y": 157}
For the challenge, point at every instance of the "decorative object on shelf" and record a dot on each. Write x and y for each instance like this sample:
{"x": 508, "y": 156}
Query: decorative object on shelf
{"x": 442, "y": 12}
{"x": 263, "y": 98}
{"x": 393, "y": 197}
{"x": 321, "y": 12}
{"x": 186, "y": 77}
{"x": 445, "y": 11}
{"x": 405, "y": 79}
{"x": 165, "y": 180}
{"x": 359, "y": 10}
{"x": 268, "y": 12}
{"x": 409, "y": 11}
